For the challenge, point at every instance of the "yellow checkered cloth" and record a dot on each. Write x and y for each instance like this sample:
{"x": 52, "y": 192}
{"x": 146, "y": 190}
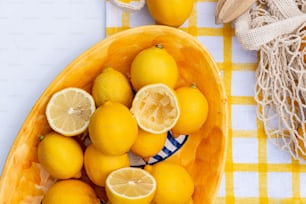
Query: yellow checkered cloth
{"x": 256, "y": 171}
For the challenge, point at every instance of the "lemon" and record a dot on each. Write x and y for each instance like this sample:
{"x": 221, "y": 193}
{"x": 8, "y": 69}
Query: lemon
{"x": 174, "y": 184}
{"x": 68, "y": 111}
{"x": 171, "y": 12}
{"x": 61, "y": 156}
{"x": 148, "y": 144}
{"x": 70, "y": 191}
{"x": 156, "y": 108}
{"x": 112, "y": 85}
{"x": 194, "y": 110}
{"x": 130, "y": 186}
{"x": 113, "y": 129}
{"x": 98, "y": 165}
{"x": 153, "y": 65}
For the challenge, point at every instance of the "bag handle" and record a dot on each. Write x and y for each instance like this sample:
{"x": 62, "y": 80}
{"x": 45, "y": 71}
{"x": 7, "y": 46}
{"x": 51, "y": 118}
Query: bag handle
{"x": 253, "y": 38}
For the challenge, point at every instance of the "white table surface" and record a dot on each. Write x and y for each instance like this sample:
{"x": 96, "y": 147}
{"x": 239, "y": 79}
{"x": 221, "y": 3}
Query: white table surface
{"x": 38, "y": 38}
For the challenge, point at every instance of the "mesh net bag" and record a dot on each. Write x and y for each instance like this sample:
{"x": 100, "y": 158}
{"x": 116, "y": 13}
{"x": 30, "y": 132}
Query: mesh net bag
{"x": 277, "y": 29}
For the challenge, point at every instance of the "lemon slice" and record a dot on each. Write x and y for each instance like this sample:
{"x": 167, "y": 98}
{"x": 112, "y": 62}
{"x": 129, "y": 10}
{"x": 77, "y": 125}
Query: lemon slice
{"x": 130, "y": 185}
{"x": 69, "y": 110}
{"x": 156, "y": 108}
{"x": 129, "y": 5}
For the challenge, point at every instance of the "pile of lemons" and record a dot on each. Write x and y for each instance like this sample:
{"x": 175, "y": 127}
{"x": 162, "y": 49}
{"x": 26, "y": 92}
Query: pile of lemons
{"x": 124, "y": 112}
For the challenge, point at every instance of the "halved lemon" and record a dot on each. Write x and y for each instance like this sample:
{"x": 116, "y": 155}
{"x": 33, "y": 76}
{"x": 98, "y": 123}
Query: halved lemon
{"x": 156, "y": 108}
{"x": 69, "y": 110}
{"x": 130, "y": 185}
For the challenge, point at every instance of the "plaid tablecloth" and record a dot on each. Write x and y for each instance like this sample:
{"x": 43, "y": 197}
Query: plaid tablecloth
{"x": 256, "y": 171}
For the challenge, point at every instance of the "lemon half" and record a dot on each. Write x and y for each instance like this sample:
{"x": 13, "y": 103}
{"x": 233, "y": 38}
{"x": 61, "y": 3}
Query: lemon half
{"x": 156, "y": 108}
{"x": 69, "y": 110}
{"x": 130, "y": 185}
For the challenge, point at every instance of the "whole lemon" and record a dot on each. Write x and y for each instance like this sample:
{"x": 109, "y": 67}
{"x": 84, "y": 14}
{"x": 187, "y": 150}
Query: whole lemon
{"x": 61, "y": 156}
{"x": 174, "y": 183}
{"x": 98, "y": 165}
{"x": 153, "y": 65}
{"x": 171, "y": 12}
{"x": 148, "y": 144}
{"x": 70, "y": 191}
{"x": 113, "y": 129}
{"x": 112, "y": 85}
{"x": 194, "y": 110}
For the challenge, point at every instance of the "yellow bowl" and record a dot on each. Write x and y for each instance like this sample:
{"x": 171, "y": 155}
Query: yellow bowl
{"x": 203, "y": 154}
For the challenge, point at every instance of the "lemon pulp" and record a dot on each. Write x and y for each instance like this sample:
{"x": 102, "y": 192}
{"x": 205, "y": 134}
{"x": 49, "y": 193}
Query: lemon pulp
{"x": 69, "y": 110}
{"x": 130, "y": 186}
{"x": 156, "y": 108}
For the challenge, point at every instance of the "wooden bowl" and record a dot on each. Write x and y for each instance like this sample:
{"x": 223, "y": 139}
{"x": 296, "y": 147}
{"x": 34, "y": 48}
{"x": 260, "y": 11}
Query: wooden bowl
{"x": 203, "y": 154}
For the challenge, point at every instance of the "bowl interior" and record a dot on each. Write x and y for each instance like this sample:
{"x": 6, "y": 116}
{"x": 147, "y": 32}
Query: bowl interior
{"x": 203, "y": 153}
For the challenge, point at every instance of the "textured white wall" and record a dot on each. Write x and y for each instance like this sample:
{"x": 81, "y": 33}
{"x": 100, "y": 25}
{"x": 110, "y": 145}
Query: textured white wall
{"x": 38, "y": 38}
